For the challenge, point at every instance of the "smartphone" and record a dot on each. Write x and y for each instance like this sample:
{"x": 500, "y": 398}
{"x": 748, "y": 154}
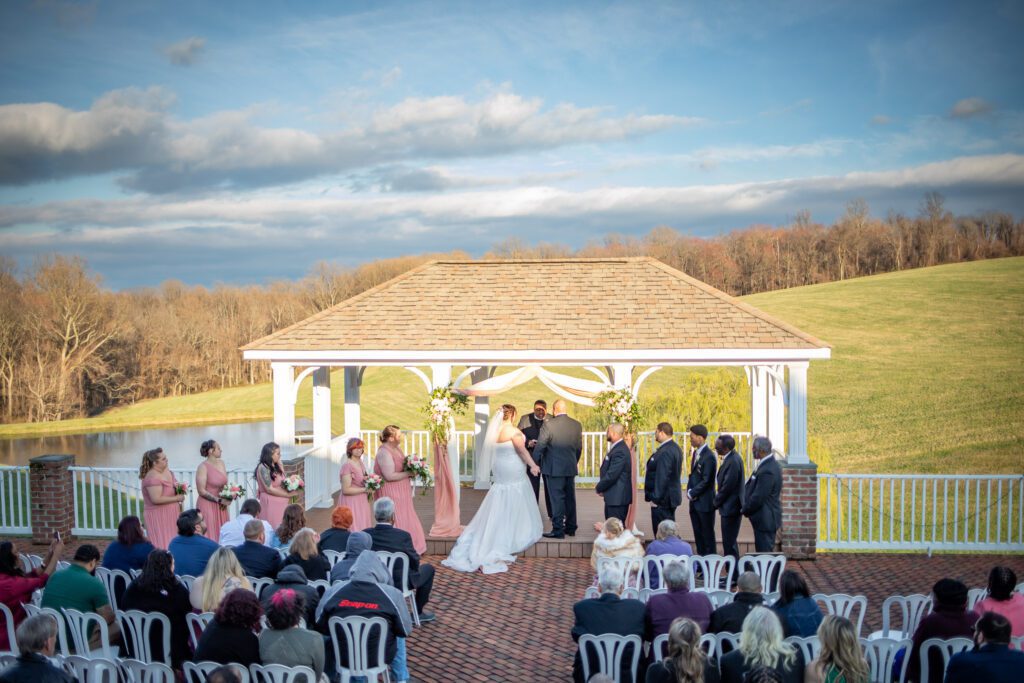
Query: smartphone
{"x": 56, "y": 535}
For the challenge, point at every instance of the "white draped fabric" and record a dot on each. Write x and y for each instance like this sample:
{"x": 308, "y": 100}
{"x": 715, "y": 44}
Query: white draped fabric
{"x": 574, "y": 389}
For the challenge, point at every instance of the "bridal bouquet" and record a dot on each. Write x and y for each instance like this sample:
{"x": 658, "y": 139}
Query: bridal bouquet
{"x": 372, "y": 482}
{"x": 232, "y": 491}
{"x": 417, "y": 465}
{"x": 181, "y": 488}
{"x": 293, "y": 484}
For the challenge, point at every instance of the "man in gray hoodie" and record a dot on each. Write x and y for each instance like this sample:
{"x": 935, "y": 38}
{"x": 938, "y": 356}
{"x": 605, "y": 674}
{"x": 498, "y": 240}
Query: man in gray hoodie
{"x": 358, "y": 543}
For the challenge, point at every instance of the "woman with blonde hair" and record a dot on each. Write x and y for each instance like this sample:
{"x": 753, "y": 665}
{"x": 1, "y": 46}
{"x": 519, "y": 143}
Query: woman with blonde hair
{"x": 161, "y": 503}
{"x": 223, "y": 574}
{"x": 841, "y": 659}
{"x": 306, "y": 554}
{"x": 761, "y": 644}
{"x": 686, "y": 661}
{"x": 616, "y": 541}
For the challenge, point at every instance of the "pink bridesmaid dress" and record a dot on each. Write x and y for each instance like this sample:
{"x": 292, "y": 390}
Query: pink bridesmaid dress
{"x": 272, "y": 511}
{"x": 359, "y": 503}
{"x": 401, "y": 492}
{"x": 213, "y": 513}
{"x": 161, "y": 518}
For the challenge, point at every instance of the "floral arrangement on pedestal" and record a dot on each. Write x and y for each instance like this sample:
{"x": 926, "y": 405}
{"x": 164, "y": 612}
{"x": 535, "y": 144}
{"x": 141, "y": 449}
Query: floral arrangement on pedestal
{"x": 620, "y": 405}
{"x": 442, "y": 407}
{"x": 444, "y": 404}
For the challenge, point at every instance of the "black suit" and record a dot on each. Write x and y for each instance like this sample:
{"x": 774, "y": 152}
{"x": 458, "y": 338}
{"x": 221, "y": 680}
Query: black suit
{"x": 762, "y": 503}
{"x": 257, "y": 560}
{"x": 616, "y": 481}
{"x": 558, "y": 451}
{"x": 607, "y": 614}
{"x": 421, "y": 577}
{"x": 662, "y": 482}
{"x": 729, "y": 502}
{"x": 700, "y": 489}
{"x": 530, "y": 426}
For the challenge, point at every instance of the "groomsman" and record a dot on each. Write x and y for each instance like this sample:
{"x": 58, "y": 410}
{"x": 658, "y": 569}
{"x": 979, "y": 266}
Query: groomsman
{"x": 662, "y": 486}
{"x": 729, "y": 499}
{"x": 700, "y": 489}
{"x": 762, "y": 502}
{"x": 530, "y": 425}
{"x": 616, "y": 478}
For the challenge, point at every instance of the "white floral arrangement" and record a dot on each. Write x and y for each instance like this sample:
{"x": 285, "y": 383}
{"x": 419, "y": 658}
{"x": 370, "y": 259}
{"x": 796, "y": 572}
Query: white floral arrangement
{"x": 620, "y": 405}
{"x": 442, "y": 407}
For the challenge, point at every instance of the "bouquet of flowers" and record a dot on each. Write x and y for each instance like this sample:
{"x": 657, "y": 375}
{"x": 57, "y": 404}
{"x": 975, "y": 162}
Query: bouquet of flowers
{"x": 373, "y": 482}
{"x": 181, "y": 488}
{"x": 418, "y": 467}
{"x": 232, "y": 491}
{"x": 445, "y": 403}
{"x": 620, "y": 405}
{"x": 293, "y": 483}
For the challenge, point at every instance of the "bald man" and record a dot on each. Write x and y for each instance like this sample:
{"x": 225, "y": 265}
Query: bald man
{"x": 614, "y": 484}
{"x": 558, "y": 452}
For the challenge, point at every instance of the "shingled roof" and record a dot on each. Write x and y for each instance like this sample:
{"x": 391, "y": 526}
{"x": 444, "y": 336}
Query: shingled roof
{"x": 610, "y": 304}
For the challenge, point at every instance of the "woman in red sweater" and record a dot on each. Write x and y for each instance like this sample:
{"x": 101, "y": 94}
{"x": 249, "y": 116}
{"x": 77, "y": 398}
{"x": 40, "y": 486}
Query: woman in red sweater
{"x": 16, "y": 586}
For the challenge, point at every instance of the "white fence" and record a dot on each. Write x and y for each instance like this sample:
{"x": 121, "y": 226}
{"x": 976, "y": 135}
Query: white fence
{"x": 15, "y": 514}
{"x": 921, "y": 512}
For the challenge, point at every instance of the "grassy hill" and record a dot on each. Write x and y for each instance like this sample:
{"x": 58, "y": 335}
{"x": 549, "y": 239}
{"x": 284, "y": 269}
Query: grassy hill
{"x": 927, "y": 375}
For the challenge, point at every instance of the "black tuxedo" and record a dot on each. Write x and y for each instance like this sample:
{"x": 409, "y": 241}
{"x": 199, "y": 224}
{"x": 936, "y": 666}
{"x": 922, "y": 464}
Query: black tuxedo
{"x": 257, "y": 560}
{"x": 616, "y": 481}
{"x": 700, "y": 489}
{"x": 421, "y": 577}
{"x": 729, "y": 502}
{"x": 662, "y": 482}
{"x": 607, "y": 614}
{"x": 762, "y": 503}
{"x": 530, "y": 426}
{"x": 558, "y": 452}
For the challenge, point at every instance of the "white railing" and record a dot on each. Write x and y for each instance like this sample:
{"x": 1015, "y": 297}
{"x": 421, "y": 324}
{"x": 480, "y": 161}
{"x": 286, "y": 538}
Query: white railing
{"x": 323, "y": 472}
{"x": 921, "y": 511}
{"x": 104, "y": 495}
{"x": 15, "y": 515}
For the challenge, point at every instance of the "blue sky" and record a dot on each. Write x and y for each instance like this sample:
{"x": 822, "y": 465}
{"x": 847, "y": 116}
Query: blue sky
{"x": 240, "y": 142}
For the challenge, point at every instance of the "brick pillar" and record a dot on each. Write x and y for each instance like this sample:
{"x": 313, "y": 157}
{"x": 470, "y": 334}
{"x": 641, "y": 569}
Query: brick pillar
{"x": 51, "y": 496}
{"x": 799, "y": 511}
{"x": 296, "y": 466}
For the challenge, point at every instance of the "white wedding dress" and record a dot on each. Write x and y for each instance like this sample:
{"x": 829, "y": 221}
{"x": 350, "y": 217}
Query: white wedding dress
{"x": 508, "y": 521}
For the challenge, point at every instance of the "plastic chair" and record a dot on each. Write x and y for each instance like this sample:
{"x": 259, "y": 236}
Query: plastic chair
{"x": 591, "y": 592}
{"x": 278, "y": 673}
{"x": 912, "y": 609}
{"x": 630, "y": 594}
{"x": 408, "y": 592}
{"x": 974, "y": 596}
{"x": 627, "y": 567}
{"x": 62, "y": 631}
{"x": 659, "y": 561}
{"x": 1017, "y": 643}
{"x": 30, "y": 562}
{"x": 719, "y": 598}
{"x": 610, "y": 649}
{"x": 810, "y": 646}
{"x": 9, "y": 625}
{"x": 87, "y": 670}
{"x": 334, "y": 556}
{"x": 187, "y": 581}
{"x": 356, "y": 632}
{"x": 142, "y": 672}
{"x": 197, "y": 623}
{"x": 321, "y": 586}
{"x": 768, "y": 568}
{"x": 646, "y": 593}
{"x": 111, "y": 578}
{"x": 259, "y": 584}
{"x": 709, "y": 643}
{"x": 78, "y": 624}
{"x": 7, "y": 659}
{"x": 947, "y": 648}
{"x": 725, "y": 638}
{"x": 881, "y": 656}
{"x": 715, "y": 568}
{"x": 136, "y": 628}
{"x": 843, "y": 605}
{"x": 659, "y": 648}
{"x": 770, "y": 598}
{"x": 196, "y": 672}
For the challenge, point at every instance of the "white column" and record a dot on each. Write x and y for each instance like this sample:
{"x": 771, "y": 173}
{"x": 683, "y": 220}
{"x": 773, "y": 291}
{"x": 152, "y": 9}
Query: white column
{"x": 622, "y": 376}
{"x": 481, "y": 416}
{"x": 353, "y": 380}
{"x": 798, "y": 414}
{"x": 441, "y": 375}
{"x": 777, "y": 412}
{"x": 284, "y": 405}
{"x": 322, "y": 407}
{"x": 758, "y": 380}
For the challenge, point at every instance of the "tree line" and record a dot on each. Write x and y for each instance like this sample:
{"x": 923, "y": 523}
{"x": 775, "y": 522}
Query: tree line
{"x": 69, "y": 347}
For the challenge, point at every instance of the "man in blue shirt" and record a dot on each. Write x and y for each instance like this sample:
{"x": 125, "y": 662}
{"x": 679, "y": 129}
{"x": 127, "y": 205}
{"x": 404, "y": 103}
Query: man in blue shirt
{"x": 991, "y": 660}
{"x": 191, "y": 550}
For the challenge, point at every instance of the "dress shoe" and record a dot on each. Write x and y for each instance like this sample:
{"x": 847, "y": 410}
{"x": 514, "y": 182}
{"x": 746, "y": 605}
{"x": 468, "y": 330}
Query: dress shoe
{"x": 552, "y": 534}
{"x": 426, "y": 617}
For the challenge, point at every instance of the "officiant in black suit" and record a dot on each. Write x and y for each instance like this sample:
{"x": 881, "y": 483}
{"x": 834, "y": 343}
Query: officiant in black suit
{"x": 729, "y": 499}
{"x": 700, "y": 490}
{"x": 530, "y": 426}
{"x": 558, "y": 451}
{"x": 662, "y": 486}
{"x": 762, "y": 501}
{"x": 616, "y": 478}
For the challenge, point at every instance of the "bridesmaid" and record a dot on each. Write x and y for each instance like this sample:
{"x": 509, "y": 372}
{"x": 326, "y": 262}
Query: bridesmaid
{"x": 211, "y": 476}
{"x": 353, "y": 488}
{"x": 160, "y": 504}
{"x": 390, "y": 465}
{"x": 269, "y": 477}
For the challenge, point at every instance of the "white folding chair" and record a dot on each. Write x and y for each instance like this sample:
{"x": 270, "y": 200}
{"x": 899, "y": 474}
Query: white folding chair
{"x": 356, "y": 633}
{"x": 715, "y": 569}
{"x": 659, "y": 648}
{"x": 78, "y": 625}
{"x": 62, "y": 631}
{"x": 881, "y": 656}
{"x": 646, "y": 593}
{"x": 408, "y": 592}
{"x": 30, "y": 562}
{"x": 946, "y": 647}
{"x": 725, "y": 638}
{"x": 136, "y": 573}
{"x": 334, "y": 556}
{"x": 843, "y": 605}
{"x": 627, "y": 567}
{"x": 609, "y": 649}
{"x": 196, "y": 672}
{"x": 187, "y": 581}
{"x": 259, "y": 584}
{"x": 659, "y": 561}
{"x": 768, "y": 568}
{"x": 147, "y": 672}
{"x": 197, "y": 623}
{"x": 8, "y": 617}
{"x": 719, "y": 598}
{"x": 810, "y": 646}
{"x": 912, "y": 609}
{"x": 87, "y": 670}
{"x": 278, "y": 673}
{"x": 112, "y": 578}
{"x": 974, "y": 596}
{"x": 136, "y": 629}
{"x": 1017, "y": 643}
{"x": 321, "y": 586}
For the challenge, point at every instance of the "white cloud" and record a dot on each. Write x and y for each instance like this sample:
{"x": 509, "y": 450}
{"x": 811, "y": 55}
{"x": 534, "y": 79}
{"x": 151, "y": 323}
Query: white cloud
{"x": 970, "y": 107}
{"x": 186, "y": 52}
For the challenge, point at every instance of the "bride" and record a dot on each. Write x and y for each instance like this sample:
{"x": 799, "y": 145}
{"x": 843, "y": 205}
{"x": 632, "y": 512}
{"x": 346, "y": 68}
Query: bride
{"x": 508, "y": 521}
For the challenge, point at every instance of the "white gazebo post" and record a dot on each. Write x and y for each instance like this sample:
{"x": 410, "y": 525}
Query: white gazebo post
{"x": 622, "y": 376}
{"x": 797, "y": 453}
{"x": 284, "y": 404}
{"x": 353, "y": 381}
{"x": 441, "y": 375}
{"x": 481, "y": 416}
{"x": 758, "y": 380}
{"x": 777, "y": 409}
{"x": 322, "y": 407}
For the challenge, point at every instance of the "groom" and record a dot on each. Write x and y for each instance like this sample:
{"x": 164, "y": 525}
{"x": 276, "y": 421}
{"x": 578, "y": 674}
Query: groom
{"x": 558, "y": 451}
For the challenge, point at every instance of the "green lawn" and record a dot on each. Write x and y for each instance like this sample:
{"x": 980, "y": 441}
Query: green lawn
{"x": 927, "y": 375}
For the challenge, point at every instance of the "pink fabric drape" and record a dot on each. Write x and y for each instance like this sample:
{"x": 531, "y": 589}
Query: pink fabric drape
{"x": 446, "y": 501}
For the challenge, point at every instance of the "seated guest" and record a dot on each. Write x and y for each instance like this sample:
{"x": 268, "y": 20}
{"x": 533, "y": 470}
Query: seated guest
{"x": 387, "y": 537}
{"x": 336, "y": 537}
{"x": 293, "y": 578}
{"x": 666, "y": 542}
{"x": 233, "y": 533}
{"x": 686, "y": 661}
{"x": 37, "y": 641}
{"x": 799, "y": 614}
{"x": 1002, "y": 599}
{"x": 222, "y": 576}
{"x": 16, "y": 587}
{"x": 224, "y": 674}
{"x": 230, "y": 638}
{"x": 607, "y": 614}
{"x": 615, "y": 541}
{"x": 358, "y": 543}
{"x": 663, "y": 609}
{"x": 841, "y": 657}
{"x": 284, "y": 642}
{"x": 729, "y": 617}
{"x": 258, "y": 560}
{"x": 949, "y": 619}
{"x": 991, "y": 660}
{"x": 157, "y": 589}
{"x": 131, "y": 548}
{"x": 305, "y": 554}
{"x": 191, "y": 549}
{"x": 77, "y": 588}
{"x": 761, "y": 644}
{"x": 293, "y": 521}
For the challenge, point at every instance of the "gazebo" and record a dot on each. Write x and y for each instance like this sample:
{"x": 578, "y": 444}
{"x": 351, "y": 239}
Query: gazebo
{"x": 619, "y": 318}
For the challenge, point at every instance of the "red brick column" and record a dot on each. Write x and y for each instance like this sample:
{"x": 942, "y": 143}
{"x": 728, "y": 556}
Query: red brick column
{"x": 296, "y": 466}
{"x": 799, "y": 511}
{"x": 51, "y": 496}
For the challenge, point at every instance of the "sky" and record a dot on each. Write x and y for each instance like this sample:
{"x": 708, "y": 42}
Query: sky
{"x": 241, "y": 142}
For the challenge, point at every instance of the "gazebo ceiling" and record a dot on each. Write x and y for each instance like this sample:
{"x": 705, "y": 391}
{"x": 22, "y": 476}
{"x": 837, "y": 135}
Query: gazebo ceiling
{"x": 634, "y": 307}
